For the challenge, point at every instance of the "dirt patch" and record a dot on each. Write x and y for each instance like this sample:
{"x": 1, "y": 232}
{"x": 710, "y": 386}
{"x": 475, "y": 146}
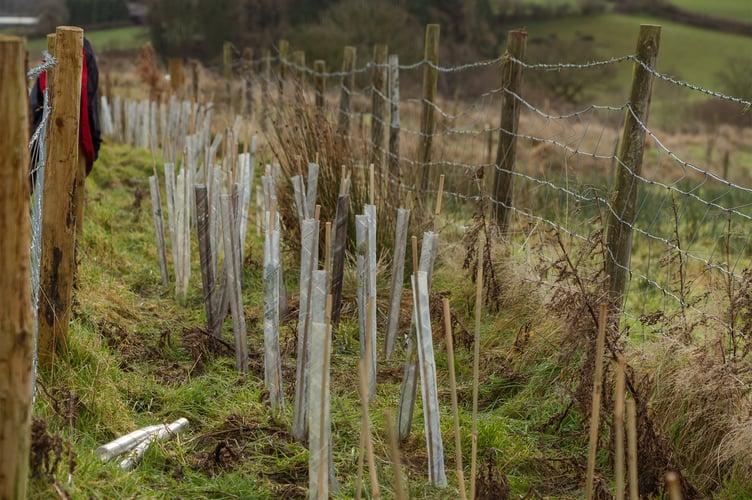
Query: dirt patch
{"x": 50, "y": 453}
{"x": 240, "y": 441}
{"x": 130, "y": 347}
{"x": 491, "y": 483}
{"x": 202, "y": 346}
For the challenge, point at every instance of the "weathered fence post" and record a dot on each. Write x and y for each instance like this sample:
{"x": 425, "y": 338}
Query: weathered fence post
{"x": 428, "y": 113}
{"x": 195, "y": 78}
{"x": 298, "y": 59}
{"x": 16, "y": 320}
{"x": 379, "y": 82}
{"x": 394, "y": 178}
{"x": 622, "y": 216}
{"x": 348, "y": 84}
{"x": 284, "y": 49}
{"x": 319, "y": 68}
{"x": 265, "y": 88}
{"x": 506, "y": 154}
{"x": 227, "y": 62}
{"x": 58, "y": 212}
{"x": 177, "y": 77}
{"x": 248, "y": 80}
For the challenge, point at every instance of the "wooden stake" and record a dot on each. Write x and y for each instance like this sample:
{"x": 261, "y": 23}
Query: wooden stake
{"x": 428, "y": 112}
{"x": 621, "y": 220}
{"x": 328, "y": 253}
{"x": 506, "y": 154}
{"x": 16, "y": 319}
{"x": 476, "y": 375}
{"x": 439, "y": 196}
{"x": 348, "y": 85}
{"x": 453, "y": 392}
{"x": 394, "y": 454}
{"x": 674, "y": 486}
{"x": 59, "y": 193}
{"x": 619, "y": 428}
{"x": 371, "y": 184}
{"x": 379, "y": 84}
{"x": 415, "y": 255}
{"x": 631, "y": 410}
{"x": 596, "y": 408}
{"x": 363, "y": 371}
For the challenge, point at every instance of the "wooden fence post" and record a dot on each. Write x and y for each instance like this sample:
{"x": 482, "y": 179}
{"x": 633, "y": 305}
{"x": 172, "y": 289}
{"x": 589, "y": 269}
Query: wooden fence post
{"x": 284, "y": 49}
{"x": 195, "y": 78}
{"x": 506, "y": 154}
{"x": 348, "y": 84}
{"x": 227, "y": 62}
{"x": 58, "y": 213}
{"x": 379, "y": 82}
{"x": 622, "y": 216}
{"x": 177, "y": 78}
{"x": 16, "y": 320}
{"x": 248, "y": 80}
{"x": 298, "y": 59}
{"x": 319, "y": 68}
{"x": 428, "y": 114}
{"x": 394, "y": 178}
{"x": 265, "y": 88}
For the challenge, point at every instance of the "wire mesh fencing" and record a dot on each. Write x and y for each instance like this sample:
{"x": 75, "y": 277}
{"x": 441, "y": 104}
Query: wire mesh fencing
{"x": 690, "y": 232}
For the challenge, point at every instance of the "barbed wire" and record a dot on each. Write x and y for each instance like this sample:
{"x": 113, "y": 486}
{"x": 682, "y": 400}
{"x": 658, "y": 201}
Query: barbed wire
{"x": 692, "y": 86}
{"x": 38, "y": 157}
{"x": 571, "y": 135}
{"x": 558, "y": 66}
{"x": 48, "y": 61}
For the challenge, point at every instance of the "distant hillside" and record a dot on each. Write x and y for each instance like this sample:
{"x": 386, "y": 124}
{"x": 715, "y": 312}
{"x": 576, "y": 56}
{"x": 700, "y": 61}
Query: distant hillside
{"x": 730, "y": 16}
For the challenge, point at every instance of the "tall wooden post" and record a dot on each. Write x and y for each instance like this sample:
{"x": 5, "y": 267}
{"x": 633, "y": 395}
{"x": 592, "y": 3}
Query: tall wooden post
{"x": 348, "y": 84}
{"x": 622, "y": 217}
{"x": 284, "y": 49}
{"x": 379, "y": 82}
{"x": 227, "y": 62}
{"x": 59, "y": 193}
{"x": 16, "y": 321}
{"x": 265, "y": 87}
{"x": 298, "y": 58}
{"x": 506, "y": 154}
{"x": 177, "y": 76}
{"x": 195, "y": 78}
{"x": 248, "y": 80}
{"x": 319, "y": 68}
{"x": 394, "y": 178}
{"x": 428, "y": 114}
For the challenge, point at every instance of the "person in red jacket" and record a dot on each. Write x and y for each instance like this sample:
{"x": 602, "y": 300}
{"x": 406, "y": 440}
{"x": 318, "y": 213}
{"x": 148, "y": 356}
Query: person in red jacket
{"x": 90, "y": 134}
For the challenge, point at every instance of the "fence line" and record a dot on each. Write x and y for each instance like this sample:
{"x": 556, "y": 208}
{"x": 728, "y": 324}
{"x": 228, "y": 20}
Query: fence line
{"x": 566, "y": 158}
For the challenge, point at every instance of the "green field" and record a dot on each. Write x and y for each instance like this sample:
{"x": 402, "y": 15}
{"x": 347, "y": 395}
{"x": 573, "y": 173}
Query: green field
{"x": 739, "y": 10}
{"x": 130, "y": 38}
{"x": 691, "y": 54}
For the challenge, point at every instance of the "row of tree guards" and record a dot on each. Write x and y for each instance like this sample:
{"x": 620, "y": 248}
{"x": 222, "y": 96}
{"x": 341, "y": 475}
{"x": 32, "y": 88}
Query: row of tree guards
{"x": 385, "y": 90}
{"x": 320, "y": 292}
{"x": 214, "y": 196}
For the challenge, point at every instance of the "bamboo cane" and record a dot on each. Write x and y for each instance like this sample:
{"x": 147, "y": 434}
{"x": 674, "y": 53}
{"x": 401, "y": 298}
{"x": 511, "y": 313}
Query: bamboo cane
{"x": 596, "y": 408}
{"x": 619, "y": 428}
{"x": 453, "y": 390}
{"x": 476, "y": 370}
{"x": 391, "y": 436}
{"x": 631, "y": 411}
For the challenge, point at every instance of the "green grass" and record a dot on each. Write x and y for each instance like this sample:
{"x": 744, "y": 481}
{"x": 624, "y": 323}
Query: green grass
{"x": 692, "y": 54}
{"x": 117, "y": 39}
{"x": 131, "y": 362}
{"x": 739, "y": 10}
